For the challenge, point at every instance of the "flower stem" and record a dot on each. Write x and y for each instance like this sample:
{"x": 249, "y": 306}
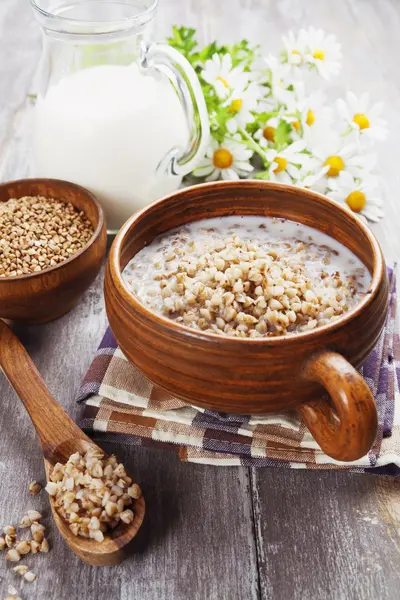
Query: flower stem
{"x": 251, "y": 143}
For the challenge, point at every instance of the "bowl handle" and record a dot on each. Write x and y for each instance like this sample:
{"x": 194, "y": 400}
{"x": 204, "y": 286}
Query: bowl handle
{"x": 345, "y": 428}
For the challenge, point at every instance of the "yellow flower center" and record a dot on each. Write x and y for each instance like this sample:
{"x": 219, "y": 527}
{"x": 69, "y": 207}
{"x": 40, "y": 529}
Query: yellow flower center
{"x": 361, "y": 120}
{"x": 269, "y": 133}
{"x": 222, "y": 158}
{"x": 319, "y": 54}
{"x": 296, "y": 125}
{"x": 310, "y": 117}
{"x": 335, "y": 164}
{"x": 296, "y": 52}
{"x": 223, "y": 81}
{"x": 356, "y": 201}
{"x": 235, "y": 105}
{"x": 281, "y": 164}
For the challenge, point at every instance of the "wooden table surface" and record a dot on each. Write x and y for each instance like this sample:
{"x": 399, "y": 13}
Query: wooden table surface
{"x": 212, "y": 533}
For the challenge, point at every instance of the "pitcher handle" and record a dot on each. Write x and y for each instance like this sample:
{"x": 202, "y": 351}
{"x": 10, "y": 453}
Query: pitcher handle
{"x": 185, "y": 81}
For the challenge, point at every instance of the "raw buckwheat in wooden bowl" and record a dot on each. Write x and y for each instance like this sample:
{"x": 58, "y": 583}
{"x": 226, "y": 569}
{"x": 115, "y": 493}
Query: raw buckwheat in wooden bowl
{"x": 269, "y": 338}
{"x": 53, "y": 242}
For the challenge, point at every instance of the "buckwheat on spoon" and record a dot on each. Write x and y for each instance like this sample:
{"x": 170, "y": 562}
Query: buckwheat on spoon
{"x": 96, "y": 506}
{"x": 93, "y": 493}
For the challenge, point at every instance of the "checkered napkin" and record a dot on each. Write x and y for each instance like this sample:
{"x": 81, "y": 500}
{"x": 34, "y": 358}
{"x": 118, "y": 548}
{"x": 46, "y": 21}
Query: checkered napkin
{"x": 121, "y": 405}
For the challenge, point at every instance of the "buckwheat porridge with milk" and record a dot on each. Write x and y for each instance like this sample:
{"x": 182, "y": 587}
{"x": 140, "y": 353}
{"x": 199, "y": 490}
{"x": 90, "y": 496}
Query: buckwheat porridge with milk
{"x": 247, "y": 276}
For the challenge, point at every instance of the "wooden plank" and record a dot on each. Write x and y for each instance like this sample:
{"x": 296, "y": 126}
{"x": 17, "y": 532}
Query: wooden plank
{"x": 326, "y": 535}
{"x": 19, "y": 51}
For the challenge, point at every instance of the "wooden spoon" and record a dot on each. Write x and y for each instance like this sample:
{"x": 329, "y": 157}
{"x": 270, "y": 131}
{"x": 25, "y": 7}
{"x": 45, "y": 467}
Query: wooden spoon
{"x": 60, "y": 437}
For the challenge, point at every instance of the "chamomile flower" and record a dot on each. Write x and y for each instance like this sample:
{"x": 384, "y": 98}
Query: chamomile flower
{"x": 241, "y": 102}
{"x": 337, "y": 159}
{"x": 307, "y": 111}
{"x": 312, "y": 180}
{"x": 278, "y": 81}
{"x": 288, "y": 165}
{"x": 322, "y": 51}
{"x": 360, "y": 196}
{"x": 265, "y": 136}
{"x": 363, "y": 117}
{"x": 293, "y": 48}
{"x": 219, "y": 73}
{"x": 228, "y": 160}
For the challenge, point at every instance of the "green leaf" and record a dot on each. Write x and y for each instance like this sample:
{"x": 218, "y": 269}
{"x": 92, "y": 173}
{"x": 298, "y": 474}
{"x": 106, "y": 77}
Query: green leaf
{"x": 243, "y": 54}
{"x": 253, "y": 127}
{"x": 262, "y": 175}
{"x": 183, "y": 39}
{"x": 260, "y": 120}
{"x": 282, "y": 135}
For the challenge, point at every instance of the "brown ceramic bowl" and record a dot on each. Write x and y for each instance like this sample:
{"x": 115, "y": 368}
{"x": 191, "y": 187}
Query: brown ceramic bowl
{"x": 260, "y": 375}
{"x": 48, "y": 294}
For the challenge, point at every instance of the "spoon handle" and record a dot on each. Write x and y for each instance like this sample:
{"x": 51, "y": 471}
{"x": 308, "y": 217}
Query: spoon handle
{"x": 53, "y": 425}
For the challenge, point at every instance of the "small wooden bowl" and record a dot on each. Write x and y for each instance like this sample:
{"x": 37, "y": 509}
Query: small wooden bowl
{"x": 49, "y": 294}
{"x": 261, "y": 375}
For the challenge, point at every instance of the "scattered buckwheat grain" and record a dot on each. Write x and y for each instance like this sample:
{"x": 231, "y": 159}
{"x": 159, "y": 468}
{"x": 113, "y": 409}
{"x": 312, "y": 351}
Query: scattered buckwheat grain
{"x": 25, "y": 522}
{"x": 21, "y": 569}
{"x": 34, "y": 488}
{"x": 30, "y": 576}
{"x": 13, "y": 555}
{"x": 12, "y": 591}
{"x": 23, "y": 547}
{"x": 37, "y": 531}
{"x": 10, "y": 540}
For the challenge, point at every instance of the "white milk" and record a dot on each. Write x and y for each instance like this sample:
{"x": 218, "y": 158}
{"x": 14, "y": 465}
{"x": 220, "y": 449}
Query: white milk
{"x": 266, "y": 232}
{"x": 107, "y": 128}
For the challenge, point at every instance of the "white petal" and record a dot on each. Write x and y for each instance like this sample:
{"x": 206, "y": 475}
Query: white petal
{"x": 363, "y": 103}
{"x": 335, "y": 196}
{"x": 271, "y": 155}
{"x": 373, "y": 215}
{"x": 202, "y": 171}
{"x": 293, "y": 171}
{"x": 300, "y": 159}
{"x": 243, "y": 166}
{"x": 226, "y": 62}
{"x": 229, "y": 175}
{"x": 214, "y": 176}
{"x": 346, "y": 182}
{"x": 205, "y": 162}
{"x": 284, "y": 177}
{"x": 220, "y": 88}
{"x": 295, "y": 147}
{"x": 231, "y": 126}
{"x": 343, "y": 110}
{"x": 352, "y": 101}
{"x": 348, "y": 150}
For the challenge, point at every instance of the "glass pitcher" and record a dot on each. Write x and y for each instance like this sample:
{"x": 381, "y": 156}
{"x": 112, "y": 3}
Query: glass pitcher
{"x": 122, "y": 117}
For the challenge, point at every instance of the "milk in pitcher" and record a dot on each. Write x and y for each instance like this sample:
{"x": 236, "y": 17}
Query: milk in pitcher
{"x": 108, "y": 128}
